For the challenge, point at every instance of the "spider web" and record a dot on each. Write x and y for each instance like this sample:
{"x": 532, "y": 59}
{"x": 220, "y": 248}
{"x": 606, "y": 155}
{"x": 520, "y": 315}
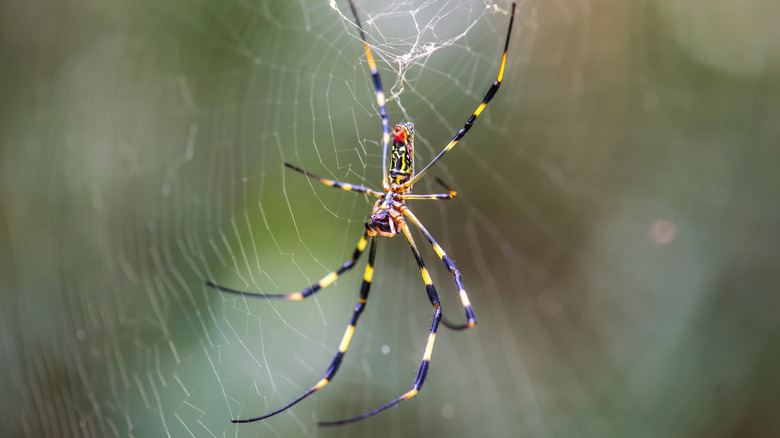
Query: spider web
{"x": 615, "y": 223}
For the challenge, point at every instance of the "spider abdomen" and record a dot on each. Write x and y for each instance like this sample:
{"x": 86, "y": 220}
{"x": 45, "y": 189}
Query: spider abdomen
{"x": 402, "y": 154}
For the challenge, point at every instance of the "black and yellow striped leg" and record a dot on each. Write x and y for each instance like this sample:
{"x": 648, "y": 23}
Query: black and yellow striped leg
{"x": 422, "y": 373}
{"x": 309, "y": 291}
{"x": 488, "y": 97}
{"x": 442, "y": 196}
{"x": 471, "y": 318}
{"x": 380, "y": 95}
{"x": 334, "y": 183}
{"x": 336, "y": 362}
{"x": 449, "y": 195}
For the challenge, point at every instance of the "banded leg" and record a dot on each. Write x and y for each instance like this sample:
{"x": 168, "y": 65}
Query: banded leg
{"x": 380, "y": 95}
{"x": 309, "y": 291}
{"x": 336, "y": 362}
{"x": 449, "y": 195}
{"x": 426, "y": 360}
{"x": 334, "y": 183}
{"x": 488, "y": 97}
{"x": 471, "y": 318}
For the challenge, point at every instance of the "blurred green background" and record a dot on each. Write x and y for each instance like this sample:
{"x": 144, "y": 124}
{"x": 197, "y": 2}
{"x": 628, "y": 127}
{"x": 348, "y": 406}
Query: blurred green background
{"x": 616, "y": 226}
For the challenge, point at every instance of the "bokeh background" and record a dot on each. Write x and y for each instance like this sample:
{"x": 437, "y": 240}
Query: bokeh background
{"x": 617, "y": 224}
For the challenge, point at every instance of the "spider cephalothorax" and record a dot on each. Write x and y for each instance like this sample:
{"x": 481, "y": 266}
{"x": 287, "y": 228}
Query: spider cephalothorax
{"x": 387, "y": 218}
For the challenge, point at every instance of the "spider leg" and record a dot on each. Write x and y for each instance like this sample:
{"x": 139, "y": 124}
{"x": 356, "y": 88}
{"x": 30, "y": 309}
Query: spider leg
{"x": 380, "y": 95}
{"x": 423, "y": 371}
{"x": 336, "y": 362}
{"x": 491, "y": 92}
{"x": 442, "y": 196}
{"x": 309, "y": 291}
{"x": 334, "y": 183}
{"x": 471, "y": 318}
{"x": 449, "y": 195}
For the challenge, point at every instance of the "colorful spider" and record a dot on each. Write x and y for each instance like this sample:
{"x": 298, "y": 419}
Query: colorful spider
{"x": 389, "y": 216}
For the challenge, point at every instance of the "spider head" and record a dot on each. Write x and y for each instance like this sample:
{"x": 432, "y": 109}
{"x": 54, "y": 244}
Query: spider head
{"x": 382, "y": 223}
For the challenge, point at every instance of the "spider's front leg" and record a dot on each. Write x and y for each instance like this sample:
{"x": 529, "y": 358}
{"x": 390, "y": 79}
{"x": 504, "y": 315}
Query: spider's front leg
{"x": 471, "y": 318}
{"x": 309, "y": 291}
{"x": 422, "y": 372}
{"x": 345, "y": 340}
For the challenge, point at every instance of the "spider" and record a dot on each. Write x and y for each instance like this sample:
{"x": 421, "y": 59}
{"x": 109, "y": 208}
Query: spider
{"x": 389, "y": 217}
